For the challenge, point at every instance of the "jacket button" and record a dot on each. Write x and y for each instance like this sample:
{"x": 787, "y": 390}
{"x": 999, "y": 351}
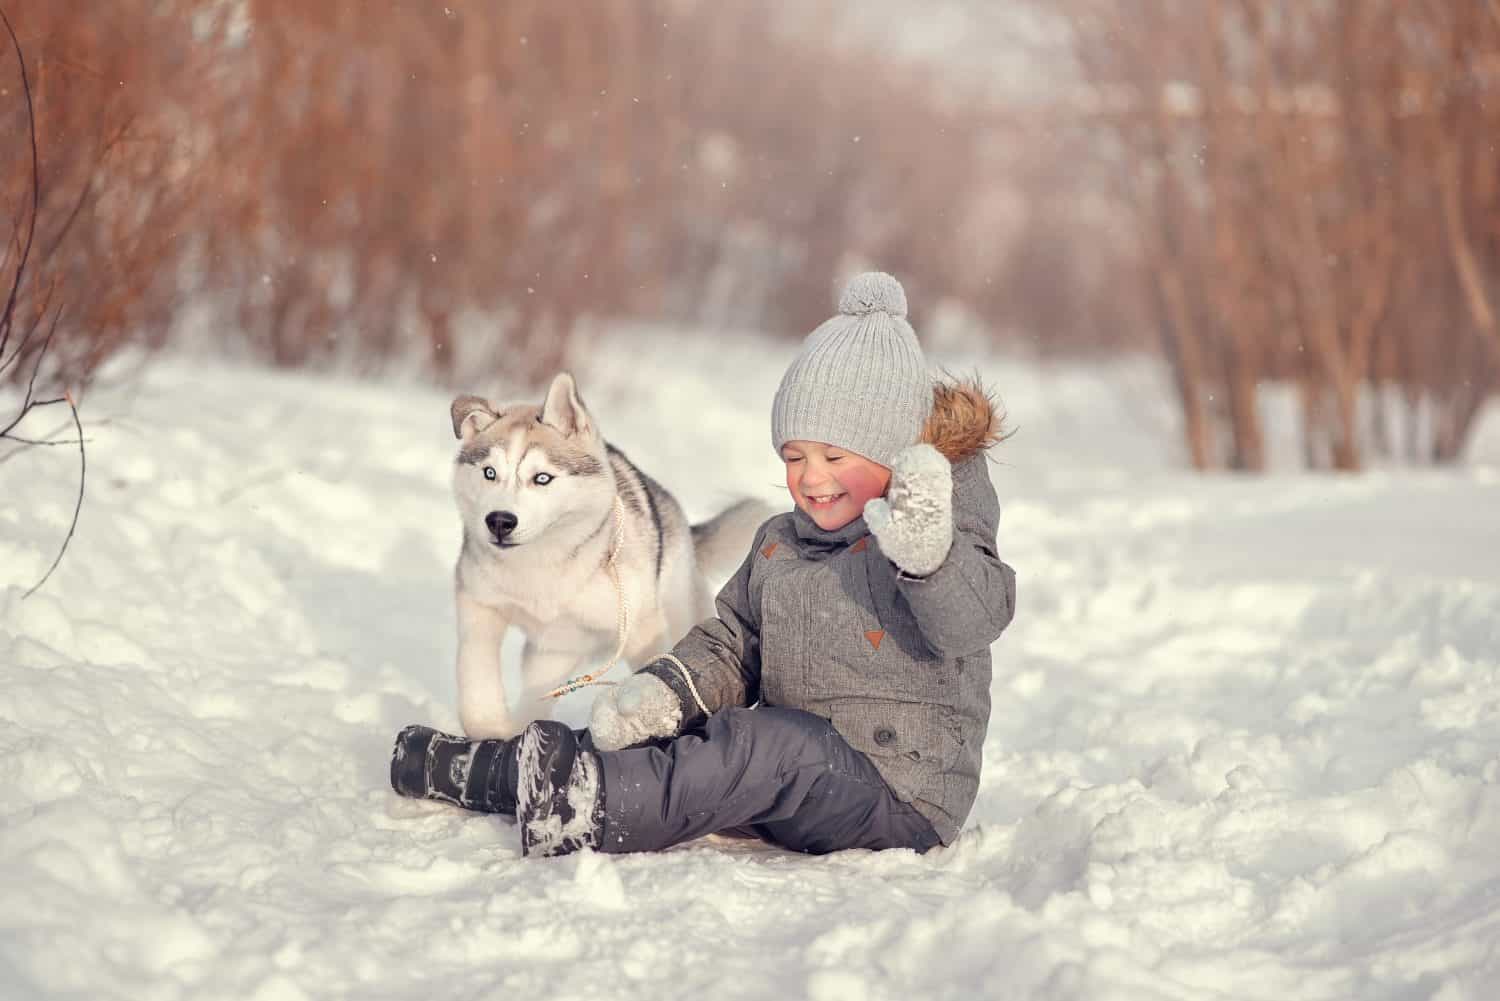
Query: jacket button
{"x": 885, "y": 735}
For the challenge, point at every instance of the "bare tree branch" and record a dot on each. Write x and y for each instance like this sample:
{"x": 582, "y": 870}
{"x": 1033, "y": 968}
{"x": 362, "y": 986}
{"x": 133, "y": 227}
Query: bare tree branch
{"x": 37, "y": 321}
{"x": 32, "y": 329}
{"x": 77, "y": 505}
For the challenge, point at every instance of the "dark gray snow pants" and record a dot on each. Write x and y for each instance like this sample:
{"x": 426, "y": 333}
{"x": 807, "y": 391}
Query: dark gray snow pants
{"x": 783, "y": 775}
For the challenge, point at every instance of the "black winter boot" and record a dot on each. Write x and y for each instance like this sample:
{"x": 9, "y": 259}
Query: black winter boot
{"x": 559, "y": 799}
{"x": 474, "y": 774}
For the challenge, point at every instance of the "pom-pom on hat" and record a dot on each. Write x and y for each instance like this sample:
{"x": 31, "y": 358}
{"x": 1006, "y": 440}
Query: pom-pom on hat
{"x": 860, "y": 381}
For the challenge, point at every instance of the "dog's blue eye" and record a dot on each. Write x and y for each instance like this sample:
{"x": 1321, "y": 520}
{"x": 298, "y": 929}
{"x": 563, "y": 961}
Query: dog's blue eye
{"x": 542, "y": 479}
{"x": 489, "y": 472}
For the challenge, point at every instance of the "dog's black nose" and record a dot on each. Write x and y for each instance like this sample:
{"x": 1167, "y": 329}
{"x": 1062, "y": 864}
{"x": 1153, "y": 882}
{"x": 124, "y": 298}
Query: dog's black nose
{"x": 500, "y": 524}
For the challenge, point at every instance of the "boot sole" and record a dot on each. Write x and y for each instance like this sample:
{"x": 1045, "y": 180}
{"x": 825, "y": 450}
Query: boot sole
{"x": 409, "y": 761}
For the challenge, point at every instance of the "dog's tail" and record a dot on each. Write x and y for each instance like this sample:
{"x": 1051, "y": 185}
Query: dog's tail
{"x": 720, "y": 544}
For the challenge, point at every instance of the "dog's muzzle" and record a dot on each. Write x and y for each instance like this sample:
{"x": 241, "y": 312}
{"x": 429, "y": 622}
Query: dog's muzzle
{"x": 501, "y": 524}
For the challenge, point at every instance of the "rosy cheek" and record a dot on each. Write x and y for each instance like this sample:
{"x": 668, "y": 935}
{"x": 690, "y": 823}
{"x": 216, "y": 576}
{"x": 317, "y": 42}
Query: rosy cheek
{"x": 863, "y": 484}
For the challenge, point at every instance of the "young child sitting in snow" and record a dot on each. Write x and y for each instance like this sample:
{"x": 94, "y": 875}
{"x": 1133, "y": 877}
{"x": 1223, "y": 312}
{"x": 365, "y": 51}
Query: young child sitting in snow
{"x": 839, "y": 698}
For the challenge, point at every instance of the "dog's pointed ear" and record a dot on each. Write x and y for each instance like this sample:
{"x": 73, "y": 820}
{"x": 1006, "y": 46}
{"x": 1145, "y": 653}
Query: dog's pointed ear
{"x": 564, "y": 409}
{"x": 471, "y": 415}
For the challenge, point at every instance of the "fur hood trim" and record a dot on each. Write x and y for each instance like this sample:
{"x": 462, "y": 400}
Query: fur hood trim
{"x": 965, "y": 419}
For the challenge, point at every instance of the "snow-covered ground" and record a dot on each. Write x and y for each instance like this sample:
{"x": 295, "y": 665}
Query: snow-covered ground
{"x": 1245, "y": 743}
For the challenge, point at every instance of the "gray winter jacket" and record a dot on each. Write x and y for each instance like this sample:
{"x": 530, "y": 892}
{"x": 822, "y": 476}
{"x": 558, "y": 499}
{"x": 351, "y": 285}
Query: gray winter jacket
{"x": 900, "y": 666}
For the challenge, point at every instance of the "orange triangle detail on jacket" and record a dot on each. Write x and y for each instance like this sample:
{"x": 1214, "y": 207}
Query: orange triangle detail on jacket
{"x": 875, "y": 636}
{"x": 861, "y": 545}
{"x": 766, "y": 552}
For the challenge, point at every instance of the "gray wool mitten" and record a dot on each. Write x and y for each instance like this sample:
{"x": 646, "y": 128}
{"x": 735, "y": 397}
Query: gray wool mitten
{"x": 914, "y": 521}
{"x": 642, "y": 707}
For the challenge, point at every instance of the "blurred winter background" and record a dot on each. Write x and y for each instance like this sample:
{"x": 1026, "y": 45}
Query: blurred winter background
{"x": 1232, "y": 265}
{"x": 1298, "y": 195}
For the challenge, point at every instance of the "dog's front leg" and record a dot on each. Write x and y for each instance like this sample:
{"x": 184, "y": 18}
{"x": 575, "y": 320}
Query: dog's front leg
{"x": 482, "y": 708}
{"x": 542, "y": 670}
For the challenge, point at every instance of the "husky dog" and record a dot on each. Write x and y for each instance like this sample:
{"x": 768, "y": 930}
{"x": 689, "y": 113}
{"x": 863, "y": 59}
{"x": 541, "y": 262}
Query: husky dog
{"x": 568, "y": 540}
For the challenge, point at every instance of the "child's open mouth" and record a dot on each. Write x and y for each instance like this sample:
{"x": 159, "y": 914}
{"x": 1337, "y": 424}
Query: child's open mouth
{"x": 825, "y": 500}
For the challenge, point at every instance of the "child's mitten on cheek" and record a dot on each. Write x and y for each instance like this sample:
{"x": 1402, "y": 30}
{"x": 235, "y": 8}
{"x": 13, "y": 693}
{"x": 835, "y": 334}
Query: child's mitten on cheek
{"x": 914, "y": 521}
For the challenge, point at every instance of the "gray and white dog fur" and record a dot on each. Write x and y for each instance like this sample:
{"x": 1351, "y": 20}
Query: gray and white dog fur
{"x": 536, "y": 487}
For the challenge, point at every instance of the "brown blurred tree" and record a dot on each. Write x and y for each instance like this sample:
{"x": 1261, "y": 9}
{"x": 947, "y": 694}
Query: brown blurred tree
{"x": 336, "y": 179}
{"x": 116, "y": 191}
{"x": 1283, "y": 191}
{"x": 1315, "y": 199}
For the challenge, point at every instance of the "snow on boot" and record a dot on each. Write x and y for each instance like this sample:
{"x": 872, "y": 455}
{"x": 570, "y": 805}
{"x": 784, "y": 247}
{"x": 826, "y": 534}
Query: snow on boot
{"x": 474, "y": 774}
{"x": 558, "y": 797}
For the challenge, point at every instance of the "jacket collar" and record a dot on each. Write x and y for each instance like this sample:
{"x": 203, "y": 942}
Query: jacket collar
{"x": 810, "y": 535}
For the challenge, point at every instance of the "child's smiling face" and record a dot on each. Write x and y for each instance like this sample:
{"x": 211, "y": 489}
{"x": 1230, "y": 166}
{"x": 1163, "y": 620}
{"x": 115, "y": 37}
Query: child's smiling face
{"x": 831, "y": 484}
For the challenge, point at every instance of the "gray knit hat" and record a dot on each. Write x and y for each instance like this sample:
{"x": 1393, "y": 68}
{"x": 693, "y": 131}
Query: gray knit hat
{"x": 860, "y": 381}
